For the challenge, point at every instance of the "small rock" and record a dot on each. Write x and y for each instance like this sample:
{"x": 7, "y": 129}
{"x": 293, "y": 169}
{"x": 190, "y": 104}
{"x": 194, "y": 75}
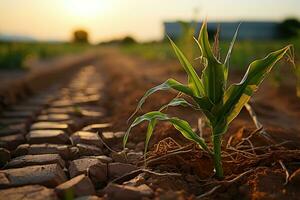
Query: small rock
{"x": 48, "y": 175}
{"x": 104, "y": 159}
{"x": 13, "y": 121}
{"x": 90, "y": 114}
{"x": 62, "y": 103}
{"x": 13, "y": 129}
{"x": 98, "y": 173}
{"x": 119, "y": 156}
{"x": 29, "y": 160}
{"x": 17, "y": 114}
{"x": 80, "y": 166}
{"x": 63, "y": 110}
{"x": 88, "y": 150}
{"x": 92, "y": 197}
{"x": 4, "y": 156}
{"x": 53, "y": 118}
{"x": 29, "y": 192}
{"x": 78, "y": 186}
{"x": 116, "y": 170}
{"x": 119, "y": 135}
{"x": 109, "y": 138}
{"x": 47, "y": 136}
{"x": 90, "y": 99}
{"x": 120, "y": 192}
{"x": 24, "y": 107}
{"x": 86, "y": 137}
{"x": 97, "y": 127}
{"x": 50, "y": 126}
{"x": 133, "y": 157}
{"x": 11, "y": 141}
{"x": 130, "y": 145}
{"x": 65, "y": 151}
{"x": 8, "y": 131}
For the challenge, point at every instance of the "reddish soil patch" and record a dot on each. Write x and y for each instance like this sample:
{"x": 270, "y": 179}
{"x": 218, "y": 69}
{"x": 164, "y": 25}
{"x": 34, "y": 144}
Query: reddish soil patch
{"x": 258, "y": 172}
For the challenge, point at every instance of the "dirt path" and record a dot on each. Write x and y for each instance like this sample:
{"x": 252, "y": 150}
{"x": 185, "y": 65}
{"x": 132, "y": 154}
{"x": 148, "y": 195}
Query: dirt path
{"x": 65, "y": 141}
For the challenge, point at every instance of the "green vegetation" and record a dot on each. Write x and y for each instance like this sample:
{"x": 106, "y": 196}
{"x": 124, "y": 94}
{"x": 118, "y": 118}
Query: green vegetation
{"x": 15, "y": 55}
{"x": 244, "y": 51}
{"x": 210, "y": 94}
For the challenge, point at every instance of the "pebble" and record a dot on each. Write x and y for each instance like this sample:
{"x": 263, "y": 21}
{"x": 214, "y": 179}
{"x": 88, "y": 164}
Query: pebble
{"x": 97, "y": 127}
{"x": 65, "y": 151}
{"x": 29, "y": 192}
{"x": 98, "y": 173}
{"x": 11, "y": 141}
{"x": 89, "y": 150}
{"x": 81, "y": 165}
{"x": 116, "y": 170}
{"x": 119, "y": 134}
{"x": 47, "y": 136}
{"x": 78, "y": 186}
{"x": 133, "y": 157}
{"x": 13, "y": 121}
{"x": 13, "y": 129}
{"x": 4, "y": 156}
{"x": 86, "y": 137}
{"x": 108, "y": 138}
{"x": 62, "y": 103}
{"x": 53, "y": 118}
{"x": 91, "y": 197}
{"x": 48, "y": 175}
{"x": 17, "y": 114}
{"x": 119, "y": 157}
{"x": 29, "y": 160}
{"x": 120, "y": 192}
{"x": 8, "y": 131}
{"x": 50, "y": 126}
{"x": 104, "y": 159}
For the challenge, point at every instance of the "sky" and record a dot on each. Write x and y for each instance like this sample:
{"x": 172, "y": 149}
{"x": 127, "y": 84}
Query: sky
{"x": 142, "y": 19}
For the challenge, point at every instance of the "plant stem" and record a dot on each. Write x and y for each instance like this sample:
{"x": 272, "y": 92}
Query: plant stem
{"x": 217, "y": 153}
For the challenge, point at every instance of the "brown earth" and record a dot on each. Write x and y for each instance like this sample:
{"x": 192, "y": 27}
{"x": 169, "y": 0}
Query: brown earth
{"x": 277, "y": 109}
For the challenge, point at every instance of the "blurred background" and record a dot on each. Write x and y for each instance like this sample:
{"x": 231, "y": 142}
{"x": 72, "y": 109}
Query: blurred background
{"x": 37, "y": 31}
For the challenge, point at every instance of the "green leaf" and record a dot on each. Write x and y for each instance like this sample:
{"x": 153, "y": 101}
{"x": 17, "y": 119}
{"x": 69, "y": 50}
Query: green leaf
{"x": 167, "y": 85}
{"x": 213, "y": 75}
{"x": 226, "y": 62}
{"x": 146, "y": 117}
{"x": 149, "y": 133}
{"x": 194, "y": 81}
{"x": 182, "y": 126}
{"x": 239, "y": 94}
{"x": 179, "y": 102}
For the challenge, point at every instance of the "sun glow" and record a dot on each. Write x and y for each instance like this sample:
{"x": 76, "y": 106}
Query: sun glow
{"x": 86, "y": 8}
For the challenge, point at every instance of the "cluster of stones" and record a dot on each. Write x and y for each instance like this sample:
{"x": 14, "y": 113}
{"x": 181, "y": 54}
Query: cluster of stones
{"x": 55, "y": 146}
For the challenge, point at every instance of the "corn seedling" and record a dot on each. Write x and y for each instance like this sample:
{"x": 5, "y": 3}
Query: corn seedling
{"x": 210, "y": 94}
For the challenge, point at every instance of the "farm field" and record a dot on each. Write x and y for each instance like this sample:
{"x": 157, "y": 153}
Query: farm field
{"x": 187, "y": 174}
{"x": 244, "y": 51}
{"x": 18, "y": 55}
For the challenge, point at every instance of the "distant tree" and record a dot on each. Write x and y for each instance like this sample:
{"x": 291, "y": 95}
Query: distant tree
{"x": 289, "y": 28}
{"x": 128, "y": 40}
{"x": 80, "y": 36}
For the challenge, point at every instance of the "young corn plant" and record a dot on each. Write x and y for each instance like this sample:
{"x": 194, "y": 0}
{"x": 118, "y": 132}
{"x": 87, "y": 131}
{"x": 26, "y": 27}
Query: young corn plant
{"x": 210, "y": 94}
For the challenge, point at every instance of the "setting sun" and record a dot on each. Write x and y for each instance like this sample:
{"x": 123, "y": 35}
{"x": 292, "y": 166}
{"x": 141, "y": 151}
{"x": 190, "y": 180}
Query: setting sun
{"x": 85, "y": 9}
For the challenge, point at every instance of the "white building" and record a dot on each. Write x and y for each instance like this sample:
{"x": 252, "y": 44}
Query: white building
{"x": 250, "y": 30}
